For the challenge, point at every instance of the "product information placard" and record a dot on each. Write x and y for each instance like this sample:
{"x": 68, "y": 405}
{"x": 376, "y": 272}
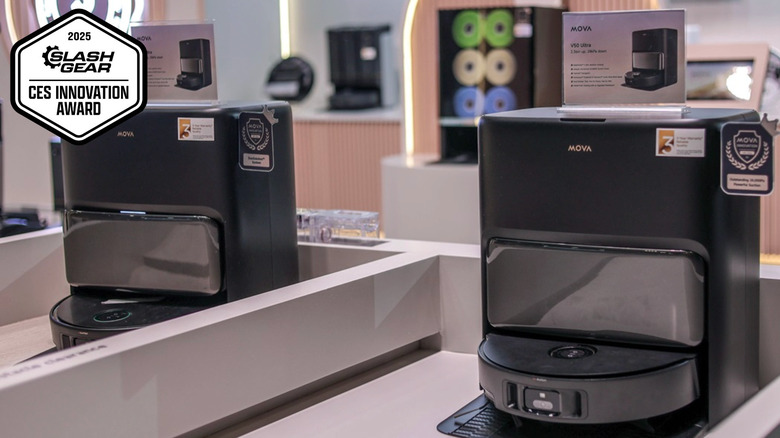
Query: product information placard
{"x": 634, "y": 57}
{"x": 181, "y": 61}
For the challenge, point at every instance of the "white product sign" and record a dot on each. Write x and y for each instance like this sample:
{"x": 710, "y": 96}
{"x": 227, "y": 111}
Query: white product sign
{"x": 626, "y": 57}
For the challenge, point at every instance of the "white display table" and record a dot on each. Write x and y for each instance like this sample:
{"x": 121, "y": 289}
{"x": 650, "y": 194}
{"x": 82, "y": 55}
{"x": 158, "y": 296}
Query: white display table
{"x": 408, "y": 402}
{"x": 378, "y": 341}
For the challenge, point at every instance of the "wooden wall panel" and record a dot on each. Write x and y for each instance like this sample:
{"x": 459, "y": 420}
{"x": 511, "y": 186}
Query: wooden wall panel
{"x": 337, "y": 163}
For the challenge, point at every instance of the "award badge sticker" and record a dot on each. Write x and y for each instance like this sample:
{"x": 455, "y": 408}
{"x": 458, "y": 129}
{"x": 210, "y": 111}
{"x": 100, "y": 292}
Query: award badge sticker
{"x": 256, "y": 145}
{"x": 78, "y": 76}
{"x": 747, "y": 157}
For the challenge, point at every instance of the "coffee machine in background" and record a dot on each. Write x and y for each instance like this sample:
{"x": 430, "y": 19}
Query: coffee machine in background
{"x": 361, "y": 68}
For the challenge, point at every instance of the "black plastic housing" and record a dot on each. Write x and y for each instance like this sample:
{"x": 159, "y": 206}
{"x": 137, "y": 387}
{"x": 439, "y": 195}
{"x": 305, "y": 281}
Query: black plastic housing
{"x": 599, "y": 183}
{"x": 150, "y": 214}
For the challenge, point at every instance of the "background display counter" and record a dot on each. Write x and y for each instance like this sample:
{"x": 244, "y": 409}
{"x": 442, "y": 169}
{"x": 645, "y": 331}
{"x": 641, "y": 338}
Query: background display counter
{"x": 423, "y": 199}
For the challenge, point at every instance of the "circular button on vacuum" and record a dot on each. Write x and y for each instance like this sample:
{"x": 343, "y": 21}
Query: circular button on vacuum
{"x": 572, "y": 352}
{"x": 114, "y": 315}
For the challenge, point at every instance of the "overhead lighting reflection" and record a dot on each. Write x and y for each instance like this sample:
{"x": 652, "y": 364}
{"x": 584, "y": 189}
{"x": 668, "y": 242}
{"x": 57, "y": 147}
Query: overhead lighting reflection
{"x": 284, "y": 27}
{"x": 739, "y": 82}
{"x": 411, "y": 10}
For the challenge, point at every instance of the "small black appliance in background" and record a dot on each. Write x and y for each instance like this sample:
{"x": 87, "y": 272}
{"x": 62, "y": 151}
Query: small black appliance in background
{"x": 653, "y": 59}
{"x": 361, "y": 67}
{"x": 176, "y": 210}
{"x": 195, "y": 62}
{"x": 291, "y": 80}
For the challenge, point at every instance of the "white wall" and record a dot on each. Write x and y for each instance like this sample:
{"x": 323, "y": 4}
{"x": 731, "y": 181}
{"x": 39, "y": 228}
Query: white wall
{"x": 247, "y": 45}
{"x": 26, "y": 163}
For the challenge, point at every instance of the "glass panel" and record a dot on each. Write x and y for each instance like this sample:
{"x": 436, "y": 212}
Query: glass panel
{"x": 191, "y": 65}
{"x": 652, "y": 296}
{"x": 137, "y": 251}
{"x": 648, "y": 60}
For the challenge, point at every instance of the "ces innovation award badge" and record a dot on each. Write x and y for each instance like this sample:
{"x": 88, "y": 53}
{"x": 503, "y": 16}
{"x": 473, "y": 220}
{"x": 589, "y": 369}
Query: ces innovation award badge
{"x": 78, "y": 76}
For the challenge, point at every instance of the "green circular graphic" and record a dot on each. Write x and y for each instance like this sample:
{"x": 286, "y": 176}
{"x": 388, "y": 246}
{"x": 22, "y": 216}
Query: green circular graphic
{"x": 499, "y": 28}
{"x": 468, "y": 29}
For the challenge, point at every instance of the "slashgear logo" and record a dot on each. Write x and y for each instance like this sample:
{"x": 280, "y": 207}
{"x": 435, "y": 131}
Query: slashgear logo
{"x": 78, "y": 76}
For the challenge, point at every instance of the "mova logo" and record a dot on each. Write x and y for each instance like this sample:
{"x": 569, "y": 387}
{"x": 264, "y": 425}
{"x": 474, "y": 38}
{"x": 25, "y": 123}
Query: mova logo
{"x": 580, "y": 148}
{"x": 581, "y": 29}
{"x": 125, "y": 134}
{"x": 78, "y": 62}
{"x": 746, "y": 140}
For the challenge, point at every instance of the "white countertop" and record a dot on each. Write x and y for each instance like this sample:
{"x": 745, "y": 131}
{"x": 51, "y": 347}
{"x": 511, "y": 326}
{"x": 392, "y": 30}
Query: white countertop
{"x": 408, "y": 402}
{"x": 24, "y": 339}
